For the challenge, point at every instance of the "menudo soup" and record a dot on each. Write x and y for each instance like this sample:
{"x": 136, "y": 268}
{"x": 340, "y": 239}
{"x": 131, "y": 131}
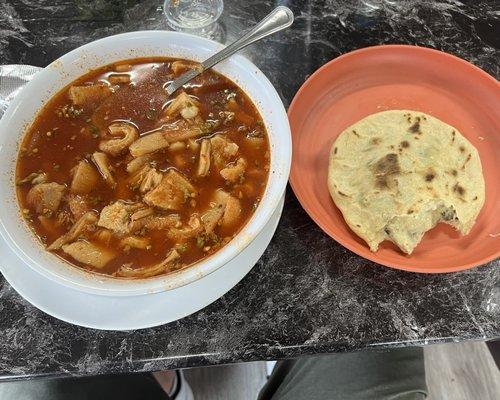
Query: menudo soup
{"x": 116, "y": 178}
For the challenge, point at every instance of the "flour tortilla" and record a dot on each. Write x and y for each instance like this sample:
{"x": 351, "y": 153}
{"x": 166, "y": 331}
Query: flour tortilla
{"x": 396, "y": 174}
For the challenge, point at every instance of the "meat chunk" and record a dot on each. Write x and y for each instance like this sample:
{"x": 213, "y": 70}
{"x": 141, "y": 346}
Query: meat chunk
{"x": 232, "y": 207}
{"x": 103, "y": 236}
{"x": 128, "y": 134}
{"x": 102, "y": 162}
{"x": 116, "y": 79}
{"x": 211, "y": 218}
{"x": 146, "y": 179}
{"x": 180, "y": 66}
{"x": 162, "y": 138}
{"x": 234, "y": 172}
{"x": 161, "y": 222}
{"x": 155, "y": 222}
{"x": 150, "y": 180}
{"x": 89, "y": 96}
{"x": 127, "y": 271}
{"x": 204, "y": 160}
{"x": 45, "y": 197}
{"x": 223, "y": 150}
{"x": 149, "y": 144}
{"x": 225, "y": 211}
{"x": 192, "y": 229}
{"x": 141, "y": 213}
{"x": 85, "y": 178}
{"x": 89, "y": 253}
{"x": 172, "y": 192}
{"x": 117, "y": 216}
{"x": 136, "y": 242}
{"x": 137, "y": 163}
{"x": 34, "y": 178}
{"x": 78, "y": 205}
{"x": 184, "y": 105}
{"x": 232, "y": 213}
{"x": 83, "y": 224}
{"x": 125, "y": 218}
{"x": 183, "y": 131}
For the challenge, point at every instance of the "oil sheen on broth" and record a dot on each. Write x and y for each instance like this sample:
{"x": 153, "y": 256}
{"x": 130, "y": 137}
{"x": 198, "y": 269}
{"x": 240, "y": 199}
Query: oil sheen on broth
{"x": 117, "y": 179}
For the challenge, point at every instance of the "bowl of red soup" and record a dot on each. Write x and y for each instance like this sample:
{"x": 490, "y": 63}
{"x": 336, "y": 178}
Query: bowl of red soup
{"x": 112, "y": 187}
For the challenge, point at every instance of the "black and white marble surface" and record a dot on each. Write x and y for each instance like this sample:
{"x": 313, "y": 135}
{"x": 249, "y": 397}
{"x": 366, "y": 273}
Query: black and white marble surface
{"x": 307, "y": 295}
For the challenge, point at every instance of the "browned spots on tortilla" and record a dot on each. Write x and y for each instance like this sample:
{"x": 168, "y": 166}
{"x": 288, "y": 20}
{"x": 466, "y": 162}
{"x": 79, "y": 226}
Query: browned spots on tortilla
{"x": 355, "y": 133}
{"x": 415, "y": 128}
{"x": 459, "y": 189}
{"x": 375, "y": 141}
{"x": 454, "y": 172}
{"x": 358, "y": 225}
{"x": 416, "y": 137}
{"x": 429, "y": 176}
{"x": 391, "y": 147}
{"x": 475, "y": 198}
{"x": 385, "y": 169}
{"x": 410, "y": 211}
{"x": 335, "y": 150}
{"x": 405, "y": 144}
{"x": 453, "y": 136}
{"x": 462, "y": 149}
{"x": 342, "y": 194}
{"x": 467, "y": 160}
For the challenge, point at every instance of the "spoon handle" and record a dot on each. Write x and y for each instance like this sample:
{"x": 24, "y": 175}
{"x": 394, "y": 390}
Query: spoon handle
{"x": 280, "y": 18}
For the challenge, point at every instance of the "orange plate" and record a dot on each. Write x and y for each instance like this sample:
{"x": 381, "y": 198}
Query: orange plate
{"x": 379, "y": 78}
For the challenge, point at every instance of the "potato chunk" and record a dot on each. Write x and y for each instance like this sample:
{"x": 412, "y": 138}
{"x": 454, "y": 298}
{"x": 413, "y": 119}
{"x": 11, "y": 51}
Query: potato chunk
{"x": 148, "y": 144}
{"x": 85, "y": 177}
{"x": 89, "y": 253}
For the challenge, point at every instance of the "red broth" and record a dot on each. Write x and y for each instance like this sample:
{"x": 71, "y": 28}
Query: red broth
{"x": 116, "y": 178}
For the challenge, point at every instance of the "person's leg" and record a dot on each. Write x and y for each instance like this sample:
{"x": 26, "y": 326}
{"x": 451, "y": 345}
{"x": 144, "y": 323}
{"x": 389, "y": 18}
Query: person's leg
{"x": 398, "y": 374}
{"x": 109, "y": 387}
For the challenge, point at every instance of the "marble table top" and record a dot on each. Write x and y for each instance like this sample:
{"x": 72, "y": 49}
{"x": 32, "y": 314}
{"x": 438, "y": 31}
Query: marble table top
{"x": 307, "y": 294}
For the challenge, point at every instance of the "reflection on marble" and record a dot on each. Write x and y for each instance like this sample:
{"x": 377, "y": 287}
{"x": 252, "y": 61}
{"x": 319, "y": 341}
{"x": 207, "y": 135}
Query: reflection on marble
{"x": 307, "y": 294}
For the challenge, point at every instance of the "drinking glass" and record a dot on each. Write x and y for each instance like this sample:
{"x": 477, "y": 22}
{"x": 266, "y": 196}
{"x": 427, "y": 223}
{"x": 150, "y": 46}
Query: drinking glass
{"x": 198, "y": 17}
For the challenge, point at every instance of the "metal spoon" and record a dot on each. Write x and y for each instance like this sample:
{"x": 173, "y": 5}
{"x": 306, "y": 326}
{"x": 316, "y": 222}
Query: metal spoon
{"x": 280, "y": 18}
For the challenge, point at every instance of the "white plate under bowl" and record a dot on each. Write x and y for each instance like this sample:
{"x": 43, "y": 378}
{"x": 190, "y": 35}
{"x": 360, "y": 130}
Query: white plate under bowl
{"x": 132, "y": 312}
